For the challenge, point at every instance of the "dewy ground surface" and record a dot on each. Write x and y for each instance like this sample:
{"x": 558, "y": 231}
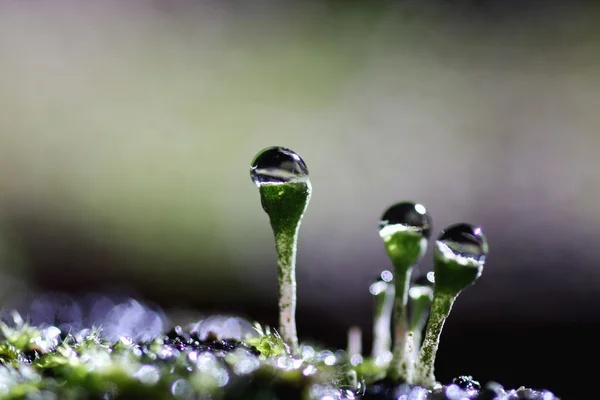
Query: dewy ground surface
{"x": 197, "y": 362}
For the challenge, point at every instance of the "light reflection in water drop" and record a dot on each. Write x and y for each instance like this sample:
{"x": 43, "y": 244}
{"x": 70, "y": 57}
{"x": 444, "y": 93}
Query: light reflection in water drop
{"x": 307, "y": 352}
{"x": 405, "y": 216}
{"x": 309, "y": 370}
{"x": 356, "y": 359}
{"x": 463, "y": 243}
{"x": 182, "y": 389}
{"x": 147, "y": 374}
{"x": 276, "y": 165}
{"x": 387, "y": 276}
{"x": 431, "y": 276}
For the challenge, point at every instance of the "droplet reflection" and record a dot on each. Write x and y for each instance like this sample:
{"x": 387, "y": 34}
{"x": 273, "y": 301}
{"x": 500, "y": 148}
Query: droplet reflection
{"x": 463, "y": 243}
{"x": 405, "y": 216}
{"x": 277, "y": 165}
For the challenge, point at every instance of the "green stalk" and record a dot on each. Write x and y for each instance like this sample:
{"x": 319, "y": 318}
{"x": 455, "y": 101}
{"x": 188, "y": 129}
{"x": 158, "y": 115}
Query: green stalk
{"x": 285, "y": 204}
{"x": 383, "y": 293}
{"x": 399, "y": 368}
{"x": 458, "y": 262}
{"x": 405, "y": 248}
{"x": 440, "y": 309}
{"x": 421, "y": 297}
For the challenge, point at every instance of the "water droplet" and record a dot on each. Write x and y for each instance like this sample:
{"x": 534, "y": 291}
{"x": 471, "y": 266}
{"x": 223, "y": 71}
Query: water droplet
{"x": 307, "y": 352}
{"x": 466, "y": 244}
{"x": 430, "y": 276}
{"x": 378, "y": 288}
{"x": 384, "y": 358}
{"x": 244, "y": 363}
{"x": 356, "y": 359}
{"x": 327, "y": 357}
{"x": 427, "y": 279}
{"x": 309, "y": 370}
{"x": 147, "y": 374}
{"x": 181, "y": 389}
{"x": 386, "y": 276}
{"x": 224, "y": 327}
{"x": 277, "y": 165}
{"x": 454, "y": 392}
{"x": 405, "y": 229}
{"x": 405, "y": 216}
{"x": 381, "y": 283}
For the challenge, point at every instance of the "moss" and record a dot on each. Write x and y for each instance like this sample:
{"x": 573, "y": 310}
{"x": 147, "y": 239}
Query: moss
{"x": 44, "y": 362}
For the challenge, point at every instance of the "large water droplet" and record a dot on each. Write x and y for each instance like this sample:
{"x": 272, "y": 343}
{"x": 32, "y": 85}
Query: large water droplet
{"x": 463, "y": 243}
{"x": 405, "y": 216}
{"x": 277, "y": 165}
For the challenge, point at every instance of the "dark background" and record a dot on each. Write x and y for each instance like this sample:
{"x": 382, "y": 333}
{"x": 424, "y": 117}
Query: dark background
{"x": 127, "y": 129}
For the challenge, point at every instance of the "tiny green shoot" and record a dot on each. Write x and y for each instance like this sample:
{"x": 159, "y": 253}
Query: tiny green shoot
{"x": 404, "y": 228}
{"x": 459, "y": 257}
{"x": 285, "y": 190}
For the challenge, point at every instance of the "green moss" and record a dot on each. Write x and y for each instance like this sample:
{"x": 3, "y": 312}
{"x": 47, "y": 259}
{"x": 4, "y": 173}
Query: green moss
{"x": 38, "y": 364}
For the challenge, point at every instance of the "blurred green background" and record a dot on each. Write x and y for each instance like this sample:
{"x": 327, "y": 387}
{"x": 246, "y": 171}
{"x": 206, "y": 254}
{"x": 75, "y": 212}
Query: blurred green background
{"x": 127, "y": 129}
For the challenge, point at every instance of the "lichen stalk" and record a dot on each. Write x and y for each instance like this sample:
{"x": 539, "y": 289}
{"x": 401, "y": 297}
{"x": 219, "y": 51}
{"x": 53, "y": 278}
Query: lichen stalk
{"x": 420, "y": 299}
{"x": 400, "y": 365}
{"x": 382, "y": 321}
{"x": 285, "y": 204}
{"x": 440, "y": 309}
{"x": 405, "y": 248}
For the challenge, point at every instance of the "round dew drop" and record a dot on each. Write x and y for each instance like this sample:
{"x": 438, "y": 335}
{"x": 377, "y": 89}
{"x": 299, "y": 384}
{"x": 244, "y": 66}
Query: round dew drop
{"x": 386, "y": 276}
{"x": 405, "y": 216}
{"x": 463, "y": 243}
{"x": 277, "y": 165}
{"x": 405, "y": 228}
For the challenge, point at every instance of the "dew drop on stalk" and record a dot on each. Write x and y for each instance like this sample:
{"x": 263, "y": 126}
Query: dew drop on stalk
{"x": 277, "y": 165}
{"x": 285, "y": 190}
{"x": 459, "y": 258}
{"x": 463, "y": 243}
{"x": 405, "y": 216}
{"x": 405, "y": 228}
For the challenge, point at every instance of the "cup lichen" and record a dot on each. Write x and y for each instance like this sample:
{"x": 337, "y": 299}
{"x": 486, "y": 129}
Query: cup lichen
{"x": 459, "y": 257}
{"x": 404, "y": 228}
{"x": 285, "y": 190}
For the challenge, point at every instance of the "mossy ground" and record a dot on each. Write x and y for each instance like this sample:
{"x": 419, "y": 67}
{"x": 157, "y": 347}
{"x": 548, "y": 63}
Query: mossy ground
{"x": 47, "y": 363}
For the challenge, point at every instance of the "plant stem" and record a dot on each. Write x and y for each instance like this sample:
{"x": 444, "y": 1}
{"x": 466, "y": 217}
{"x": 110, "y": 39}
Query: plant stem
{"x": 400, "y": 366}
{"x": 286, "y": 271}
{"x": 382, "y": 321}
{"x": 440, "y": 309}
{"x": 285, "y": 204}
{"x": 420, "y": 299}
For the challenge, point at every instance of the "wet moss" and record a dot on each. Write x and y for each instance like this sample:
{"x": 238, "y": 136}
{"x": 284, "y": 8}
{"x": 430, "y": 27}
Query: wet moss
{"x": 46, "y": 363}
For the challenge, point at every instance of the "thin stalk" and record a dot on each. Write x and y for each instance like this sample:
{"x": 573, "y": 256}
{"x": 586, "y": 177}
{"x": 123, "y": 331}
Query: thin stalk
{"x": 285, "y": 204}
{"x": 382, "y": 320}
{"x": 400, "y": 365}
{"x": 440, "y": 309}
{"x": 285, "y": 245}
{"x": 420, "y": 305}
{"x": 354, "y": 342}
